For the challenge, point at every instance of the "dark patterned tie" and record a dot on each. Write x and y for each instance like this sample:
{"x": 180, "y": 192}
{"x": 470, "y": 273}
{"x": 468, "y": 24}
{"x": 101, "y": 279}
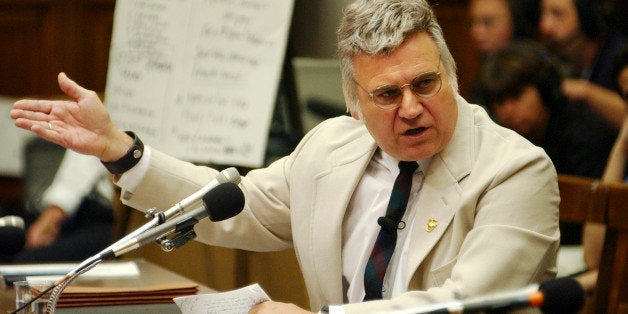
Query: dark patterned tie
{"x": 387, "y": 237}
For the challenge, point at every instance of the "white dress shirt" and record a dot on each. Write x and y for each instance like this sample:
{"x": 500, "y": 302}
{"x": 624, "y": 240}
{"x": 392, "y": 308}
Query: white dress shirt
{"x": 369, "y": 202}
{"x": 76, "y": 177}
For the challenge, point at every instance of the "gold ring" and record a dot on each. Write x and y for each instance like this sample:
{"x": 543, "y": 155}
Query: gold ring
{"x": 50, "y": 126}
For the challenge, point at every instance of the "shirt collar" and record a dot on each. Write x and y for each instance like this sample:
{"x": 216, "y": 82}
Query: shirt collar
{"x": 392, "y": 164}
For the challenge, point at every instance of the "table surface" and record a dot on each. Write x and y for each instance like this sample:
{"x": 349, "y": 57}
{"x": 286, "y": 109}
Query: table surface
{"x": 150, "y": 274}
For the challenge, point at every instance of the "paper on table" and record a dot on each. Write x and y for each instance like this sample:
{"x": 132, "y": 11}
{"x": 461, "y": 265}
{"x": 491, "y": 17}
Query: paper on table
{"x": 230, "y": 302}
{"x": 109, "y": 269}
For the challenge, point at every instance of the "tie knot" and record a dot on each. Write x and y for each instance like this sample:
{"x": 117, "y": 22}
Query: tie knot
{"x": 408, "y": 167}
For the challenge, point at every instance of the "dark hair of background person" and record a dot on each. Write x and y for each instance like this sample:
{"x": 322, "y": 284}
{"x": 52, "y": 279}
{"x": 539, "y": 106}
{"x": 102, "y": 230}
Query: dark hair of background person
{"x": 525, "y": 17}
{"x": 591, "y": 18}
{"x": 528, "y": 64}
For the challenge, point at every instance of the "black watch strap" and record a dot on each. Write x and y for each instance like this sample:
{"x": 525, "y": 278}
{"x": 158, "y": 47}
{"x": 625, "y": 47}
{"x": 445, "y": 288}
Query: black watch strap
{"x": 130, "y": 159}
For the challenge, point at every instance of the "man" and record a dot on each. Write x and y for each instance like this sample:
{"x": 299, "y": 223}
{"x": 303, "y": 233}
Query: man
{"x": 67, "y": 205}
{"x": 616, "y": 171}
{"x": 575, "y": 31}
{"x": 483, "y": 206}
{"x": 522, "y": 84}
{"x": 496, "y": 23}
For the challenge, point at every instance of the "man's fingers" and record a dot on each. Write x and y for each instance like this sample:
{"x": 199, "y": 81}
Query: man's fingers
{"x": 33, "y": 105}
{"x": 29, "y": 115}
{"x": 71, "y": 88}
{"x": 42, "y": 128}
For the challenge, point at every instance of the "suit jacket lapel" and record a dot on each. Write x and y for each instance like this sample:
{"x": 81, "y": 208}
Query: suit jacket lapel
{"x": 440, "y": 193}
{"x": 334, "y": 189}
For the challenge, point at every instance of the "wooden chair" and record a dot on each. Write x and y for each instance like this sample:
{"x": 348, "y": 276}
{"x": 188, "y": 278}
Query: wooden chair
{"x": 612, "y": 285}
{"x": 581, "y": 199}
{"x": 587, "y": 200}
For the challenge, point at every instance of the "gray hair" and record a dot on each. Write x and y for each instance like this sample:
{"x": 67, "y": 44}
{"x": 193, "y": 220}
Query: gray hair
{"x": 377, "y": 27}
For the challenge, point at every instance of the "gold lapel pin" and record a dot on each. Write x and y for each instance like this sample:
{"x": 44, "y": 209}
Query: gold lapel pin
{"x": 431, "y": 225}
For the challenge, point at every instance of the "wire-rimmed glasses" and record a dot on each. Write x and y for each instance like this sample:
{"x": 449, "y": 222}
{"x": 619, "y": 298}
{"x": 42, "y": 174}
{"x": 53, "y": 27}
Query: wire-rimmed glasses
{"x": 425, "y": 85}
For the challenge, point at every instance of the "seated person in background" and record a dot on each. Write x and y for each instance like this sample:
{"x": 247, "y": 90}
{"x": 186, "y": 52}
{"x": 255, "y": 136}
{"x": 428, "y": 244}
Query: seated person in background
{"x": 497, "y": 23}
{"x": 68, "y": 209}
{"x": 616, "y": 171}
{"x": 482, "y": 202}
{"x": 578, "y": 32}
{"x": 523, "y": 88}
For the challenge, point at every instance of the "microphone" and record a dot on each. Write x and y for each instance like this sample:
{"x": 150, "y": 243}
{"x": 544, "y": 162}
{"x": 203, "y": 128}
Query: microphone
{"x": 387, "y": 223}
{"x": 194, "y": 200}
{"x": 561, "y": 295}
{"x": 12, "y": 234}
{"x": 223, "y": 202}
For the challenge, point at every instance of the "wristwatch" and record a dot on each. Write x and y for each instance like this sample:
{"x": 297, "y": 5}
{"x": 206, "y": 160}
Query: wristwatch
{"x": 130, "y": 159}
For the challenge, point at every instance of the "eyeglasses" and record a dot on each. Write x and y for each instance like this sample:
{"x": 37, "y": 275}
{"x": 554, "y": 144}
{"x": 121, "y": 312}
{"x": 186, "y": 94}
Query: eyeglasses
{"x": 388, "y": 97}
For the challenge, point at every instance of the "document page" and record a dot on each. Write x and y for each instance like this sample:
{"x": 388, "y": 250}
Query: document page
{"x": 198, "y": 79}
{"x": 238, "y": 301}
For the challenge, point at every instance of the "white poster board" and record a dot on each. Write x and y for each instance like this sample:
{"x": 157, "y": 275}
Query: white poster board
{"x": 198, "y": 79}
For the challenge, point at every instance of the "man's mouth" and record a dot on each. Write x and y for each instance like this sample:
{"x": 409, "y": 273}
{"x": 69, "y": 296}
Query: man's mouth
{"x": 415, "y": 131}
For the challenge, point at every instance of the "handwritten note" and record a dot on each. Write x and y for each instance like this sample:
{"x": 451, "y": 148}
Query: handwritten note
{"x": 198, "y": 79}
{"x": 237, "y": 301}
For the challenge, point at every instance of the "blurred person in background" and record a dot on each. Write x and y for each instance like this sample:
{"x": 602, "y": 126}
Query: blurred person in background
{"x": 578, "y": 32}
{"x": 68, "y": 206}
{"x": 494, "y": 24}
{"x": 616, "y": 171}
{"x": 522, "y": 84}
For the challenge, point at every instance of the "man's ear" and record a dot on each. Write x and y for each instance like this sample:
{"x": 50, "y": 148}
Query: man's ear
{"x": 354, "y": 114}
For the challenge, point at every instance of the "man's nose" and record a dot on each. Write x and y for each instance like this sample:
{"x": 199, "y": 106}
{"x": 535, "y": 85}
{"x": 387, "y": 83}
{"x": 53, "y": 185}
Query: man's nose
{"x": 411, "y": 105}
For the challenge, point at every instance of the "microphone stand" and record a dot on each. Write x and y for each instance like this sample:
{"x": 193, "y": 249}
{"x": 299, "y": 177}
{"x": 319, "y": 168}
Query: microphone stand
{"x": 184, "y": 235}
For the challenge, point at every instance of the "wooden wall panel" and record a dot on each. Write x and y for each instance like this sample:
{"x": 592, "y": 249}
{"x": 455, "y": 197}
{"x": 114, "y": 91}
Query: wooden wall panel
{"x": 39, "y": 39}
{"x": 98, "y": 23}
{"x": 452, "y": 16}
{"x": 21, "y": 38}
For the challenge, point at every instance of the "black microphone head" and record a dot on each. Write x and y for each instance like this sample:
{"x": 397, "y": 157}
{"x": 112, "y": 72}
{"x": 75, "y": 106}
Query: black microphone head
{"x": 387, "y": 223}
{"x": 562, "y": 295}
{"x": 224, "y": 201}
{"x": 12, "y": 240}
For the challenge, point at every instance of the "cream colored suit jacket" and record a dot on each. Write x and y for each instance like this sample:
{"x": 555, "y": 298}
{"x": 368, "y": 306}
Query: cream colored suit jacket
{"x": 494, "y": 195}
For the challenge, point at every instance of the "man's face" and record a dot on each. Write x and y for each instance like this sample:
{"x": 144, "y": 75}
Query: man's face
{"x": 525, "y": 114}
{"x": 559, "y": 22}
{"x": 419, "y": 127}
{"x": 491, "y": 25}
